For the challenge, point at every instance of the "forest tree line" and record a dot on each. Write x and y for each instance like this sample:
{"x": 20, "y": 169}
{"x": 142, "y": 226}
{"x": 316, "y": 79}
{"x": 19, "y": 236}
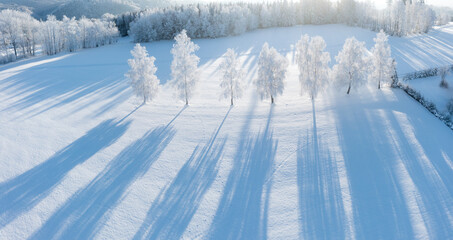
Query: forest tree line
{"x": 400, "y": 18}
{"x": 21, "y": 34}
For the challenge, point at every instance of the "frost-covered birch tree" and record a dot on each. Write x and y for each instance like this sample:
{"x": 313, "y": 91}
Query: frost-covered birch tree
{"x": 142, "y": 74}
{"x": 184, "y": 66}
{"x": 351, "y": 66}
{"x": 272, "y": 67}
{"x": 381, "y": 61}
{"x": 303, "y": 60}
{"x": 313, "y": 64}
{"x": 232, "y": 76}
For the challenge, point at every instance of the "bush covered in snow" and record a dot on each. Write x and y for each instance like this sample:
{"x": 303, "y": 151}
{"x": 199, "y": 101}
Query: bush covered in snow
{"x": 430, "y": 106}
{"x": 426, "y": 73}
{"x": 450, "y": 107}
{"x": 443, "y": 71}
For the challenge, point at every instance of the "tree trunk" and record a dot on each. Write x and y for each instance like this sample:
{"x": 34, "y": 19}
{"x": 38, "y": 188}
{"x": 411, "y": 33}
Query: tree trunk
{"x": 185, "y": 90}
{"x": 349, "y": 89}
{"x": 231, "y": 89}
{"x": 379, "y": 81}
{"x": 15, "y": 49}
{"x": 272, "y": 99}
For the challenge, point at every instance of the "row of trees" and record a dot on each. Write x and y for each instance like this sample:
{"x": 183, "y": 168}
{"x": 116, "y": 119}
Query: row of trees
{"x": 213, "y": 20}
{"x": 20, "y": 34}
{"x": 355, "y": 66}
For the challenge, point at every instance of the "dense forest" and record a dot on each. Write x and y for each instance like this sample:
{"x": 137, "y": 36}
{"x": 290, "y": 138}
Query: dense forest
{"x": 400, "y": 18}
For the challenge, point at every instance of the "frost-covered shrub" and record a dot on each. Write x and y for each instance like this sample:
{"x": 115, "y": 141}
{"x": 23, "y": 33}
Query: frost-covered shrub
{"x": 444, "y": 117}
{"x": 431, "y": 72}
{"x": 450, "y": 107}
{"x": 430, "y": 106}
{"x": 443, "y": 71}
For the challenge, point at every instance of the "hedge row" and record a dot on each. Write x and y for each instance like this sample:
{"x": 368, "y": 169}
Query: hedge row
{"x": 425, "y": 73}
{"x": 445, "y": 117}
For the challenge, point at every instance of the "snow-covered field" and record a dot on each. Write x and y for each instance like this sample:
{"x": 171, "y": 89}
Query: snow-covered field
{"x": 429, "y": 88}
{"x": 80, "y": 158}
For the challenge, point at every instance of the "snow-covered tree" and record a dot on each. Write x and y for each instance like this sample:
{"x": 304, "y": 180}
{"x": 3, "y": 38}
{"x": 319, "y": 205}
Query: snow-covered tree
{"x": 19, "y": 32}
{"x": 381, "y": 61}
{"x": 184, "y": 65}
{"x": 313, "y": 64}
{"x": 443, "y": 71}
{"x": 221, "y": 19}
{"x": 303, "y": 60}
{"x": 142, "y": 74}
{"x": 52, "y": 36}
{"x": 351, "y": 64}
{"x": 232, "y": 76}
{"x": 394, "y": 74}
{"x": 272, "y": 67}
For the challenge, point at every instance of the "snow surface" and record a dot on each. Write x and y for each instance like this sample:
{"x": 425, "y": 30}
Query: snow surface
{"x": 429, "y": 88}
{"x": 80, "y": 158}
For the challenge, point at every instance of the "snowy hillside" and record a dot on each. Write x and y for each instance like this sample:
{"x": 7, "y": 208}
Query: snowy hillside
{"x": 81, "y": 158}
{"x": 79, "y": 8}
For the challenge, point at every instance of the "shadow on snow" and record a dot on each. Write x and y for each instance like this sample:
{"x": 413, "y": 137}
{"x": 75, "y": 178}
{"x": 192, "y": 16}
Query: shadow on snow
{"x": 28, "y": 189}
{"x": 242, "y": 212}
{"x": 401, "y": 185}
{"x": 82, "y": 216}
{"x": 321, "y": 206}
{"x": 175, "y": 206}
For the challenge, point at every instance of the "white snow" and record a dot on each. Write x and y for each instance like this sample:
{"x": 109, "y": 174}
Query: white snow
{"x": 80, "y": 157}
{"x": 429, "y": 88}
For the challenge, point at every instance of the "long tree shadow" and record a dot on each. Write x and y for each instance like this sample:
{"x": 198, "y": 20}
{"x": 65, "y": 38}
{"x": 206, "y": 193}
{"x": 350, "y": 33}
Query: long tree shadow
{"x": 32, "y": 84}
{"x": 379, "y": 209}
{"x": 81, "y": 216}
{"x": 423, "y": 51}
{"x": 320, "y": 199}
{"x": 175, "y": 206}
{"x": 431, "y": 176}
{"x": 242, "y": 212}
{"x": 400, "y": 183}
{"x": 28, "y": 189}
